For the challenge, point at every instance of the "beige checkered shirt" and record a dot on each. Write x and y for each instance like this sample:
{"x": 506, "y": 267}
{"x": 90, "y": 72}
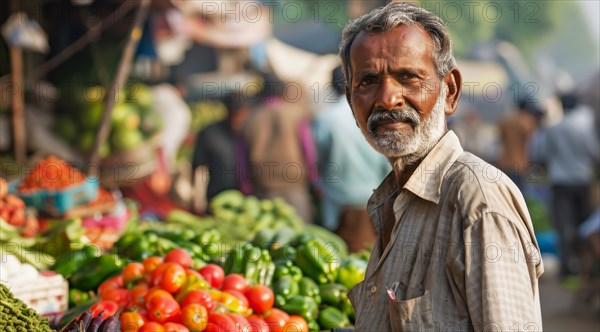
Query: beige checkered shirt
{"x": 462, "y": 255}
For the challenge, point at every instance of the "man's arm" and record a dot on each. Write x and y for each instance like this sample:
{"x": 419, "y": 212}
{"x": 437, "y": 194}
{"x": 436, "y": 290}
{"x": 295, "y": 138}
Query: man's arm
{"x": 502, "y": 267}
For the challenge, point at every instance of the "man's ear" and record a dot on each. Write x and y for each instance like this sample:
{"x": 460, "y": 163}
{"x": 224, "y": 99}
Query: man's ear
{"x": 453, "y": 82}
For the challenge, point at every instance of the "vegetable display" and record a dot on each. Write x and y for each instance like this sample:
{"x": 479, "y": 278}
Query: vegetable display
{"x": 194, "y": 273}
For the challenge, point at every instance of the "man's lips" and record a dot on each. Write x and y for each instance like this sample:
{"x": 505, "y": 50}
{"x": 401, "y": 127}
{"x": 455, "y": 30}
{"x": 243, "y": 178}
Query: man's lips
{"x": 393, "y": 125}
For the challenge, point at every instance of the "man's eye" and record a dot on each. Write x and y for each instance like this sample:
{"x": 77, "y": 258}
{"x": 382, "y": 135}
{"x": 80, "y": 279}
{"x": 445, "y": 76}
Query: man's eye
{"x": 409, "y": 77}
{"x": 368, "y": 80}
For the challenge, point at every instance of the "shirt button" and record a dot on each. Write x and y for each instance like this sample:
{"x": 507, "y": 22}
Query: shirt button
{"x": 374, "y": 289}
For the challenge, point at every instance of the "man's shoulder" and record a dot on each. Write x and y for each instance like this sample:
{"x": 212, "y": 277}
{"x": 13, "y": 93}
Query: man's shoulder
{"x": 474, "y": 171}
{"x": 478, "y": 187}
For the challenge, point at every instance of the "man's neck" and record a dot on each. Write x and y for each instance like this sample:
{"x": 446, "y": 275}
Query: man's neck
{"x": 403, "y": 169}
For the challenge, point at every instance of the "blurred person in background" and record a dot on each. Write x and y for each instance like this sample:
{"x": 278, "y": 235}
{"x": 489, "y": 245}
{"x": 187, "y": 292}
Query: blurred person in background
{"x": 219, "y": 153}
{"x": 280, "y": 146}
{"x": 439, "y": 212}
{"x": 344, "y": 157}
{"x": 516, "y": 130}
{"x": 571, "y": 151}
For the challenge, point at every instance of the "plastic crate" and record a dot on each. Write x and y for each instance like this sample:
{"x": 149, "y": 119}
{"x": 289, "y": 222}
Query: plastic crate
{"x": 59, "y": 202}
{"x": 49, "y": 296}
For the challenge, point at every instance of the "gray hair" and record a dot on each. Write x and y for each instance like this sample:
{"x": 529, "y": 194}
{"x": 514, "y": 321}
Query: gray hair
{"x": 391, "y": 16}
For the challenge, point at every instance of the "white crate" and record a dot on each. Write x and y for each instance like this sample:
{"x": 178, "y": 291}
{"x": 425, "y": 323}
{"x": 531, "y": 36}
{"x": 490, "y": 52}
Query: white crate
{"x": 48, "y": 295}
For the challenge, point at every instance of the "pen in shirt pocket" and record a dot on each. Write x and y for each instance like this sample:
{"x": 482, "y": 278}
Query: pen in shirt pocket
{"x": 392, "y": 291}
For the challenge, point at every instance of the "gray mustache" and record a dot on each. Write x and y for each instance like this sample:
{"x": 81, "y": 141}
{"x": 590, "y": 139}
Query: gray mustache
{"x": 379, "y": 116}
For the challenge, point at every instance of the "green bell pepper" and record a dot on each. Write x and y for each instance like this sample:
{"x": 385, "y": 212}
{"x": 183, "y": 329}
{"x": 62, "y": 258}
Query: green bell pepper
{"x": 69, "y": 262}
{"x": 313, "y": 326}
{"x": 287, "y": 268}
{"x": 96, "y": 270}
{"x": 266, "y": 268}
{"x": 286, "y": 286}
{"x": 333, "y": 294}
{"x": 331, "y": 317}
{"x": 317, "y": 261}
{"x": 280, "y": 271}
{"x": 308, "y": 287}
{"x": 304, "y": 306}
{"x": 351, "y": 272}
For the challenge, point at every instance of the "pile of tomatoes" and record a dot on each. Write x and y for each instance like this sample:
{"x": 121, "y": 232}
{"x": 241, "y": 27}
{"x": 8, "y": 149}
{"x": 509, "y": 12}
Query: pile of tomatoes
{"x": 167, "y": 294}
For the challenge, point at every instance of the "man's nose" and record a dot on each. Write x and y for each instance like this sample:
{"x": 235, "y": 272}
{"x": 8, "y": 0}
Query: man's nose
{"x": 390, "y": 95}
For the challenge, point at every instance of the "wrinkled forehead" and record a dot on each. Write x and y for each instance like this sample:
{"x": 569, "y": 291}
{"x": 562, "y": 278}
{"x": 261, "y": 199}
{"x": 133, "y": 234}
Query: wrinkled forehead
{"x": 402, "y": 41}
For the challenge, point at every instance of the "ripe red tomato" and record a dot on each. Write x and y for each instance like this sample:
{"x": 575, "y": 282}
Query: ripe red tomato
{"x": 175, "y": 327}
{"x": 119, "y": 295}
{"x": 201, "y": 297}
{"x": 241, "y": 323}
{"x": 222, "y": 321}
{"x": 131, "y": 321}
{"x": 235, "y": 281}
{"x": 210, "y": 327}
{"x": 214, "y": 274}
{"x": 179, "y": 256}
{"x": 108, "y": 308}
{"x": 172, "y": 278}
{"x": 138, "y": 293}
{"x": 155, "y": 292}
{"x": 151, "y": 263}
{"x": 155, "y": 276}
{"x": 161, "y": 308}
{"x": 152, "y": 327}
{"x": 194, "y": 317}
{"x": 275, "y": 321}
{"x": 280, "y": 312}
{"x": 115, "y": 282}
{"x": 257, "y": 324}
{"x": 296, "y": 324}
{"x": 133, "y": 272}
{"x": 260, "y": 298}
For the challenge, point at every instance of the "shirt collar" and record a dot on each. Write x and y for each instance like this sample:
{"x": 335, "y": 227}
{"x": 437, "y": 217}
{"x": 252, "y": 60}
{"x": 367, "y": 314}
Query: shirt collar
{"x": 426, "y": 181}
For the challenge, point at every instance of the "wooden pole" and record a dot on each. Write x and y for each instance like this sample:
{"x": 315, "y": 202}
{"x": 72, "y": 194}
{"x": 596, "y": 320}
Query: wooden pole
{"x": 18, "y": 103}
{"x": 120, "y": 78}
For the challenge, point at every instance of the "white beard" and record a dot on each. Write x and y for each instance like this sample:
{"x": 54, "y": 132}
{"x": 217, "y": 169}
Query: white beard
{"x": 412, "y": 146}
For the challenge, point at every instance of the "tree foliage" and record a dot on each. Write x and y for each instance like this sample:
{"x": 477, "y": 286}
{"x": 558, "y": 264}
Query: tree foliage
{"x": 527, "y": 24}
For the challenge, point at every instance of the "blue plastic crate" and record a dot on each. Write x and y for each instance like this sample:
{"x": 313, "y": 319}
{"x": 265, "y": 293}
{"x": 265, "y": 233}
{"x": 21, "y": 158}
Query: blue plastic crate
{"x": 58, "y": 202}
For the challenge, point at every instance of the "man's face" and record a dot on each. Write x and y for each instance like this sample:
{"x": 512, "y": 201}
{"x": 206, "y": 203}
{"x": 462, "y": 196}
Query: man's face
{"x": 396, "y": 94}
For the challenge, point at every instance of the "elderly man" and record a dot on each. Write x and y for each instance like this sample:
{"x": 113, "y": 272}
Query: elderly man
{"x": 455, "y": 248}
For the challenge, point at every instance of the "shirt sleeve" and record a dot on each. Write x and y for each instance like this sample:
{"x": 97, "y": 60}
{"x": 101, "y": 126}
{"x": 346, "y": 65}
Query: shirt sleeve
{"x": 502, "y": 267}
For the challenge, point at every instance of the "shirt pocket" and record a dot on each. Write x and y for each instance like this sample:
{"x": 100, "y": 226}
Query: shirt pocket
{"x": 412, "y": 315}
